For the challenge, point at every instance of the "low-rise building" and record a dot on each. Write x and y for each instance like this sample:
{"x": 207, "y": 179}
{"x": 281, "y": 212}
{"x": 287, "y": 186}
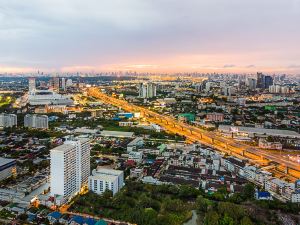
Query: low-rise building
{"x": 7, "y": 168}
{"x": 106, "y": 179}
{"x": 263, "y": 143}
{"x": 135, "y": 144}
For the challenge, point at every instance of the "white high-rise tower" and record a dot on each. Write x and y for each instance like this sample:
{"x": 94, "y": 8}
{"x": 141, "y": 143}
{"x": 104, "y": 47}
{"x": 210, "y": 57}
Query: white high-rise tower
{"x": 31, "y": 84}
{"x": 70, "y": 167}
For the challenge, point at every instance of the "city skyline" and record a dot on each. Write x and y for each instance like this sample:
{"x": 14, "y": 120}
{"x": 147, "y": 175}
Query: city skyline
{"x": 156, "y": 36}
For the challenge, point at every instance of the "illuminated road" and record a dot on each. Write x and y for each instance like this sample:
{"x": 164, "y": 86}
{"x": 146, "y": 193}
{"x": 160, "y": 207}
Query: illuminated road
{"x": 195, "y": 134}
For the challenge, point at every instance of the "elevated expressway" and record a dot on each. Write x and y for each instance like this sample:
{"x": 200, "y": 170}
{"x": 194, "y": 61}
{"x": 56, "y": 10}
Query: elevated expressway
{"x": 212, "y": 139}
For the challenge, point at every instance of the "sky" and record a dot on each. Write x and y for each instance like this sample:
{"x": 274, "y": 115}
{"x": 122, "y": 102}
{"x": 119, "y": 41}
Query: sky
{"x": 150, "y": 35}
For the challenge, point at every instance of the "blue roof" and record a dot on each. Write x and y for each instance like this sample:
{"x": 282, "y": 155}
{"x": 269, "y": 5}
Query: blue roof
{"x": 101, "y": 222}
{"x": 31, "y": 217}
{"x": 150, "y": 160}
{"x": 55, "y": 215}
{"x": 78, "y": 219}
{"x": 263, "y": 194}
{"x": 90, "y": 221}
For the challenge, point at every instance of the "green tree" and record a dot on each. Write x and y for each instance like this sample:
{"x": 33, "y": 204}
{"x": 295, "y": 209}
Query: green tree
{"x": 201, "y": 204}
{"x": 211, "y": 218}
{"x": 248, "y": 191}
{"x": 246, "y": 221}
{"x": 226, "y": 220}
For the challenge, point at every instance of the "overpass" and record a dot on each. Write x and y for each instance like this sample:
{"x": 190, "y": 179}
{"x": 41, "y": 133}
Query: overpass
{"x": 195, "y": 134}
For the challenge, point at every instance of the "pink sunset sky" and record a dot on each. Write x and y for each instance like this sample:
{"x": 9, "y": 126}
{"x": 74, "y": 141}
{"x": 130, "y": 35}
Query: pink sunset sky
{"x": 150, "y": 35}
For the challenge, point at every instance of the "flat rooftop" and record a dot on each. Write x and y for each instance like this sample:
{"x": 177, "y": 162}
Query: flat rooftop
{"x": 254, "y": 130}
{"x": 62, "y": 148}
{"x": 108, "y": 133}
{"x": 107, "y": 172}
{"x": 4, "y": 161}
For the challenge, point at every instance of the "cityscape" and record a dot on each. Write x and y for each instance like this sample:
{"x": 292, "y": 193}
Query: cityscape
{"x": 162, "y": 113}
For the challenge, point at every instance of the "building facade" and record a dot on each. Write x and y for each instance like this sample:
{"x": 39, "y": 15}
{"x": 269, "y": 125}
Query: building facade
{"x": 70, "y": 168}
{"x": 7, "y": 168}
{"x": 106, "y": 179}
{"x": 36, "y": 121}
{"x": 8, "y": 120}
{"x": 147, "y": 90}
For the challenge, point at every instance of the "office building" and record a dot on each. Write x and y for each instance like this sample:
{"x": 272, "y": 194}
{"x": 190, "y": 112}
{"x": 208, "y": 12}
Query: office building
{"x": 147, "y": 90}
{"x": 106, "y": 179}
{"x": 251, "y": 83}
{"x": 69, "y": 83}
{"x": 31, "y": 84}
{"x": 36, "y": 121}
{"x": 7, "y": 168}
{"x": 62, "y": 84}
{"x": 268, "y": 82}
{"x": 55, "y": 83}
{"x": 69, "y": 168}
{"x": 263, "y": 81}
{"x": 8, "y": 120}
{"x": 260, "y": 80}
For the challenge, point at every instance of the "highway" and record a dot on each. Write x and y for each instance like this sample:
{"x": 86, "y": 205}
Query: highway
{"x": 195, "y": 134}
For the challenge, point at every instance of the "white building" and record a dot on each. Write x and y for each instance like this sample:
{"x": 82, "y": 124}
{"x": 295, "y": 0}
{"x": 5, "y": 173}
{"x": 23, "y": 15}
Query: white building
{"x": 147, "y": 90}
{"x": 36, "y": 121}
{"x": 295, "y": 197}
{"x": 70, "y": 167}
{"x": 135, "y": 144}
{"x": 135, "y": 156}
{"x": 263, "y": 143}
{"x": 47, "y": 97}
{"x": 31, "y": 84}
{"x": 106, "y": 179}
{"x": 8, "y": 120}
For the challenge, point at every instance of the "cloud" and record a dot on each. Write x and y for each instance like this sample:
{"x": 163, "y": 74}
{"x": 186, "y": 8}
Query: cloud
{"x": 294, "y": 66}
{"x": 250, "y": 66}
{"x": 54, "y": 34}
{"x": 229, "y": 66}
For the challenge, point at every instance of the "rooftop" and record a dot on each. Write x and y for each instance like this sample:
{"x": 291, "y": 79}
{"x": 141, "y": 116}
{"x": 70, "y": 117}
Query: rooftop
{"x": 274, "y": 132}
{"x": 4, "y": 161}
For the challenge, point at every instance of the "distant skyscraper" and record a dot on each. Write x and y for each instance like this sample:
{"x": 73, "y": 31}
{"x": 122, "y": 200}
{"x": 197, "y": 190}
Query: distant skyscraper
{"x": 36, "y": 121}
{"x": 263, "y": 81}
{"x": 69, "y": 82}
{"x": 147, "y": 90}
{"x": 55, "y": 83}
{"x": 8, "y": 120}
{"x": 70, "y": 167}
{"x": 268, "y": 82}
{"x": 252, "y": 83}
{"x": 62, "y": 85}
{"x": 260, "y": 80}
{"x": 31, "y": 84}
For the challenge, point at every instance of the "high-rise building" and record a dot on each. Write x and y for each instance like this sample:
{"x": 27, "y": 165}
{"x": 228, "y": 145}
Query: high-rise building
{"x": 8, "y": 120}
{"x": 268, "y": 82}
{"x": 147, "y": 90}
{"x": 252, "y": 83}
{"x": 36, "y": 121}
{"x": 62, "y": 84}
{"x": 69, "y": 82}
{"x": 106, "y": 179}
{"x": 263, "y": 81}
{"x": 55, "y": 83}
{"x": 70, "y": 167}
{"x": 31, "y": 84}
{"x": 260, "y": 80}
